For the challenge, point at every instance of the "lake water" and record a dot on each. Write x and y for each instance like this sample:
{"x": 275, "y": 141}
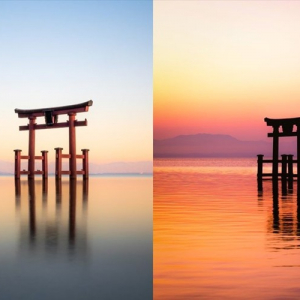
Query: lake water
{"x": 76, "y": 241}
{"x": 217, "y": 237}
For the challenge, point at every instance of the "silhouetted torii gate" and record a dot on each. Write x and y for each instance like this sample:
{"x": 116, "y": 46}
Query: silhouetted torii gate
{"x": 51, "y": 121}
{"x": 287, "y": 129}
{"x": 281, "y": 128}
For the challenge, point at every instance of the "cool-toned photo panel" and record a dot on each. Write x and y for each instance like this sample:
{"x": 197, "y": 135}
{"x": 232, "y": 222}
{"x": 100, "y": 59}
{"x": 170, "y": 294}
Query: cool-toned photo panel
{"x": 76, "y": 155}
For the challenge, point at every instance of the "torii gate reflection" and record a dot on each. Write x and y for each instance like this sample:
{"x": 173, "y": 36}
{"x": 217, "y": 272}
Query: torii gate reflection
{"x": 51, "y": 121}
{"x": 64, "y": 228}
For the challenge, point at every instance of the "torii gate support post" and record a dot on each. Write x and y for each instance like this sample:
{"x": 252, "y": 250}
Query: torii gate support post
{"x": 284, "y": 173}
{"x": 275, "y": 152}
{"x": 284, "y": 160}
{"x": 58, "y": 162}
{"x": 298, "y": 156}
{"x": 17, "y": 163}
{"x": 31, "y": 147}
{"x": 45, "y": 164}
{"x": 85, "y": 163}
{"x": 290, "y": 171}
{"x": 260, "y": 158}
{"x": 72, "y": 146}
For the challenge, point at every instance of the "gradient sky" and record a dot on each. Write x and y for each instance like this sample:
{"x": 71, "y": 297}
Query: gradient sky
{"x": 66, "y": 52}
{"x": 223, "y": 66}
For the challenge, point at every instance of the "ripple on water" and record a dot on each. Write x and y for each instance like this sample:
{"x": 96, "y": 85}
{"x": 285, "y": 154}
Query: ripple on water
{"x": 217, "y": 237}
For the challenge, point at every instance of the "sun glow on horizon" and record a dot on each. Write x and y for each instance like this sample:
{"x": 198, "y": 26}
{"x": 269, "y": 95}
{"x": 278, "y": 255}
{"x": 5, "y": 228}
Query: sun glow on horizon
{"x": 222, "y": 66}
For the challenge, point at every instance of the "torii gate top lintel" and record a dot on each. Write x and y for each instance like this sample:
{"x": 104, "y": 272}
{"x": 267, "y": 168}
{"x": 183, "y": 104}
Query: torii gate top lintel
{"x": 59, "y": 110}
{"x": 286, "y": 124}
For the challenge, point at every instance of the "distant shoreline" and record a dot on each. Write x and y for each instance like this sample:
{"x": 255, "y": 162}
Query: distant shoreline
{"x": 213, "y": 155}
{"x": 91, "y": 175}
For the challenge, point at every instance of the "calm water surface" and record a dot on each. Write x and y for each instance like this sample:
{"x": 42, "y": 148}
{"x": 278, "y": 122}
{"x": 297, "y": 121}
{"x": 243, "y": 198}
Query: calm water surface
{"x": 216, "y": 237}
{"x": 76, "y": 241}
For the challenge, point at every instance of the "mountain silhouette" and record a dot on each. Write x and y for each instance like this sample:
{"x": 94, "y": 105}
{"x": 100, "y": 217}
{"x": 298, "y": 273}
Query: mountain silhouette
{"x": 216, "y": 145}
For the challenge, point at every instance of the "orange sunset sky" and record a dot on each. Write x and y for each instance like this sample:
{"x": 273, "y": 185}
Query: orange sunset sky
{"x": 222, "y": 66}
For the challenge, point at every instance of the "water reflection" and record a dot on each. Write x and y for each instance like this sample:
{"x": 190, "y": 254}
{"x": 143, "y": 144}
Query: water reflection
{"x": 216, "y": 237}
{"x": 99, "y": 248}
{"x": 55, "y": 229}
{"x": 283, "y": 225}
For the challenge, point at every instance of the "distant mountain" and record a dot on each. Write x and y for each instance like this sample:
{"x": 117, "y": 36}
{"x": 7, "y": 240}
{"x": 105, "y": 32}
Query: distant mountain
{"x": 216, "y": 145}
{"x": 141, "y": 167}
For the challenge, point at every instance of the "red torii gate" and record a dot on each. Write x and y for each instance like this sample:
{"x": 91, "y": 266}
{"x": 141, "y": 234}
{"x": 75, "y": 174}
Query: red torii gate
{"x": 51, "y": 121}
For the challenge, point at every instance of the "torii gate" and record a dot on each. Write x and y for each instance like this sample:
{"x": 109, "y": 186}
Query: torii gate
{"x": 289, "y": 127}
{"x": 51, "y": 121}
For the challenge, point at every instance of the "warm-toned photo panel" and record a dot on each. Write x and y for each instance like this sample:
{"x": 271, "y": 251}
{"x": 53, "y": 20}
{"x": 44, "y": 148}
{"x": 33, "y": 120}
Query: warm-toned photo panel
{"x": 226, "y": 208}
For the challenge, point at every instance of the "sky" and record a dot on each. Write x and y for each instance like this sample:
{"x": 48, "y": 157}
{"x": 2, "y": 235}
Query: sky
{"x": 221, "y": 67}
{"x": 56, "y": 53}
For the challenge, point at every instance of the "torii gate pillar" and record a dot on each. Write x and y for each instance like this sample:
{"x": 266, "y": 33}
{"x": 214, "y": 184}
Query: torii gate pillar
{"x": 72, "y": 146}
{"x": 31, "y": 147}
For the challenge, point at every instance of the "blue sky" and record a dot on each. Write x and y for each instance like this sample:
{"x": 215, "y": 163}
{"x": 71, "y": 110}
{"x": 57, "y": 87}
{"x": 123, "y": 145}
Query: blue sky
{"x": 65, "y": 52}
